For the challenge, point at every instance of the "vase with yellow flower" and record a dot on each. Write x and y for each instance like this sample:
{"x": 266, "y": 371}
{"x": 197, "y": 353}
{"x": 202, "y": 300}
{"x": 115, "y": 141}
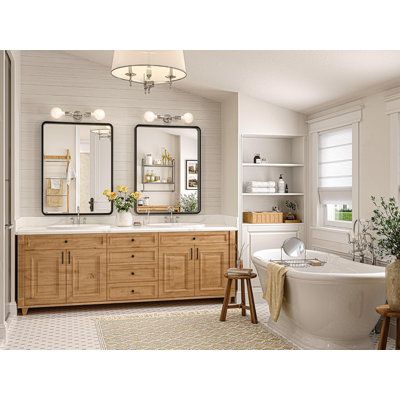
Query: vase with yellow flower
{"x": 123, "y": 202}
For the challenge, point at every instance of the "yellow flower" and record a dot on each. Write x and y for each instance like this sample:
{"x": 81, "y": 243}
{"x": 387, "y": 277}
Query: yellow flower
{"x": 123, "y": 189}
{"x": 135, "y": 195}
{"x": 106, "y": 192}
{"x": 112, "y": 196}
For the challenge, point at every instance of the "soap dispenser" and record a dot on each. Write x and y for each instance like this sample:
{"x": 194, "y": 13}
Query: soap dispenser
{"x": 281, "y": 184}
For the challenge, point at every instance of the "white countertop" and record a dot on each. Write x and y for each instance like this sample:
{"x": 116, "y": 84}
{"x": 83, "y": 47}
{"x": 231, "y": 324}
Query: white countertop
{"x": 43, "y": 226}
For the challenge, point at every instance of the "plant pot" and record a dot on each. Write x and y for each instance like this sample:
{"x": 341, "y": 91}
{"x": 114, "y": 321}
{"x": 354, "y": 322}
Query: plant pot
{"x": 393, "y": 285}
{"x": 124, "y": 218}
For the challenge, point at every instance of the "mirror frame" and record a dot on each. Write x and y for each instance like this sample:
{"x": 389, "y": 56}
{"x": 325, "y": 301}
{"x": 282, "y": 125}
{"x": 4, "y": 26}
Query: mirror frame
{"x": 198, "y": 158}
{"x": 42, "y": 165}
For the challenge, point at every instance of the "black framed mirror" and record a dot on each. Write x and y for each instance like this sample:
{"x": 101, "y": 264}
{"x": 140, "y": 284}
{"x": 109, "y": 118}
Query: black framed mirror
{"x": 77, "y": 165}
{"x": 168, "y": 169}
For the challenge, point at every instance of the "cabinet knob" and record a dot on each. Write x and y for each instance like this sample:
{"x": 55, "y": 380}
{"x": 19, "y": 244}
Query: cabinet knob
{"x": 132, "y": 255}
{"x": 65, "y": 241}
{"x": 132, "y": 273}
{"x": 132, "y": 240}
{"x": 194, "y": 238}
{"x": 132, "y": 291}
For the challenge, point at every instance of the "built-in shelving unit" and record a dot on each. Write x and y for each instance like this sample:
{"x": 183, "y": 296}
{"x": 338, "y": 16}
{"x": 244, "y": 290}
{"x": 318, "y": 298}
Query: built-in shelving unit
{"x": 284, "y": 154}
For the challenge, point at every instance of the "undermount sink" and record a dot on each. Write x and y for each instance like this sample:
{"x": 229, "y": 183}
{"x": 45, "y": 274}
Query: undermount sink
{"x": 78, "y": 227}
{"x": 177, "y": 225}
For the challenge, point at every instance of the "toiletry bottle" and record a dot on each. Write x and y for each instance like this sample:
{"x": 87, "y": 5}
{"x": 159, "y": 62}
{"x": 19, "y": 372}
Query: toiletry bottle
{"x": 257, "y": 159}
{"x": 281, "y": 184}
{"x": 286, "y": 189}
{"x": 149, "y": 159}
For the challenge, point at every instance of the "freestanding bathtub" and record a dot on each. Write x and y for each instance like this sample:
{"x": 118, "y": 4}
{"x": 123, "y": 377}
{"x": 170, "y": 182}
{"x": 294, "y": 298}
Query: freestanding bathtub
{"x": 327, "y": 307}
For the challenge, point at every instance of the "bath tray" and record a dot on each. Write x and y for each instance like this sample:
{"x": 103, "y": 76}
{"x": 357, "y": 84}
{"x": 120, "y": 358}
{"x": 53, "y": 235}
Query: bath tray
{"x": 303, "y": 263}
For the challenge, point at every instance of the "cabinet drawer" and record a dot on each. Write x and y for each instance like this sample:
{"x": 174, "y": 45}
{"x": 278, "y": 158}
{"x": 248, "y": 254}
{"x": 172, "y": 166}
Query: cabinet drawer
{"x": 133, "y": 240}
{"x": 133, "y": 291}
{"x": 134, "y": 256}
{"x": 60, "y": 242}
{"x": 132, "y": 274}
{"x": 174, "y": 239}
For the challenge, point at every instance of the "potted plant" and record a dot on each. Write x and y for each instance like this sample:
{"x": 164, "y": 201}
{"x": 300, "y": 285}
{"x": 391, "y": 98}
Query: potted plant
{"x": 123, "y": 202}
{"x": 188, "y": 202}
{"x": 292, "y": 207}
{"x": 385, "y": 222}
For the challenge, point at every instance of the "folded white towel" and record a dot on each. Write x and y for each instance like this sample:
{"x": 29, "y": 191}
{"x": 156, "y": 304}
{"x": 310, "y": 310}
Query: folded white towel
{"x": 55, "y": 184}
{"x": 261, "y": 184}
{"x": 259, "y": 190}
{"x": 71, "y": 174}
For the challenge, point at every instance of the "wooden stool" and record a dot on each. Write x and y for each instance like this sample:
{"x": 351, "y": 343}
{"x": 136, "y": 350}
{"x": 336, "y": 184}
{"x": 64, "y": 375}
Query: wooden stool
{"x": 387, "y": 313}
{"x": 245, "y": 277}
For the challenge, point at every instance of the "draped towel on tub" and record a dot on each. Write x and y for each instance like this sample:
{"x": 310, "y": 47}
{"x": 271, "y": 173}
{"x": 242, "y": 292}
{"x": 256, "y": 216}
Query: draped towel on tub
{"x": 274, "y": 288}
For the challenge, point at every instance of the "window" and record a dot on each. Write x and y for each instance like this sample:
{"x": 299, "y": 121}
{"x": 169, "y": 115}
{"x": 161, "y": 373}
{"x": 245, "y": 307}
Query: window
{"x": 335, "y": 173}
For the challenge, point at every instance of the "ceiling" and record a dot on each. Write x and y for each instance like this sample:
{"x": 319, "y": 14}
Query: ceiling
{"x": 303, "y": 81}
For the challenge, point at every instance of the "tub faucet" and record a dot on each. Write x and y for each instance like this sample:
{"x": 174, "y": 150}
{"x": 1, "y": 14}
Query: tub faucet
{"x": 362, "y": 241}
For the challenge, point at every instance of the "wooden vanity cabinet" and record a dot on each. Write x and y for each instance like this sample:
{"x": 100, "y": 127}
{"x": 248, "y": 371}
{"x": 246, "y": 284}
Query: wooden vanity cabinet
{"x": 99, "y": 268}
{"x": 75, "y": 272}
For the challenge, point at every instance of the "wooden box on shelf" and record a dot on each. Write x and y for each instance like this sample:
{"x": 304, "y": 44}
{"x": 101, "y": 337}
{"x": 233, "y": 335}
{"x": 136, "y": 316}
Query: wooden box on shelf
{"x": 263, "y": 217}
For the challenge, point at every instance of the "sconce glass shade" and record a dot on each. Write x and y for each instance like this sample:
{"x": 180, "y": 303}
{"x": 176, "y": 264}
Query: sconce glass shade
{"x": 56, "y": 112}
{"x": 187, "y": 118}
{"x": 99, "y": 114}
{"x": 149, "y": 116}
{"x": 157, "y": 66}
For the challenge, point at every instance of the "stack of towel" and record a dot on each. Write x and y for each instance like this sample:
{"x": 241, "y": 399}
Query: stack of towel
{"x": 260, "y": 187}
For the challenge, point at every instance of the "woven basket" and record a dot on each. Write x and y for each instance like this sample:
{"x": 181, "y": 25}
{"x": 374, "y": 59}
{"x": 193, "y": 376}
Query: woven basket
{"x": 263, "y": 217}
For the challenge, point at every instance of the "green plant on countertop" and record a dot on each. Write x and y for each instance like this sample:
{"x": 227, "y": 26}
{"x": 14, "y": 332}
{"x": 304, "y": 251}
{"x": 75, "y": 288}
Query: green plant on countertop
{"x": 385, "y": 222}
{"x": 188, "y": 202}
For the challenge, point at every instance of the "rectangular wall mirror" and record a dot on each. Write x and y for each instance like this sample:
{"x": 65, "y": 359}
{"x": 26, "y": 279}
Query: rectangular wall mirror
{"x": 77, "y": 165}
{"x": 167, "y": 169}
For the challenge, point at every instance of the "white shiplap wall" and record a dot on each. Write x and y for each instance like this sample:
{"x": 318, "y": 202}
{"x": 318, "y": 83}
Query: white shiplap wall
{"x": 56, "y": 78}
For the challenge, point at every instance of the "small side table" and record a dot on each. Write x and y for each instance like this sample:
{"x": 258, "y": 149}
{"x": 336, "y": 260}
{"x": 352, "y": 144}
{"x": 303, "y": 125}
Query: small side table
{"x": 243, "y": 277}
{"x": 387, "y": 313}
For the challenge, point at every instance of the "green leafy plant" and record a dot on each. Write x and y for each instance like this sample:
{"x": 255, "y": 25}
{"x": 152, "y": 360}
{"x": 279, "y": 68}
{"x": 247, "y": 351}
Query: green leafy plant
{"x": 291, "y": 205}
{"x": 188, "y": 202}
{"x": 385, "y": 222}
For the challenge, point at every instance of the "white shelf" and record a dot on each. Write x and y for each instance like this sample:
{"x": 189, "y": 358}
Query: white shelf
{"x": 272, "y": 165}
{"x": 273, "y": 194}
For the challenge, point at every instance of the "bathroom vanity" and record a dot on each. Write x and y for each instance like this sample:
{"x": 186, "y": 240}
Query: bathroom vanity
{"x": 132, "y": 265}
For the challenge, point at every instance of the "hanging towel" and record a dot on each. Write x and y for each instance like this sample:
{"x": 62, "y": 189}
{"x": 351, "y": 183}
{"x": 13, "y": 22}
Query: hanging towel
{"x": 70, "y": 174}
{"x": 261, "y": 184}
{"x": 275, "y": 283}
{"x": 55, "y": 183}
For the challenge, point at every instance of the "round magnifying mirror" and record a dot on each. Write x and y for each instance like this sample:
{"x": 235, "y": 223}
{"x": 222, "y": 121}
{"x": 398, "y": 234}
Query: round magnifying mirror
{"x": 293, "y": 247}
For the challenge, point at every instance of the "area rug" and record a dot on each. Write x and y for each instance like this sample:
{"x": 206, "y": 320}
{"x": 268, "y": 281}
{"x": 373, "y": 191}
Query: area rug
{"x": 188, "y": 330}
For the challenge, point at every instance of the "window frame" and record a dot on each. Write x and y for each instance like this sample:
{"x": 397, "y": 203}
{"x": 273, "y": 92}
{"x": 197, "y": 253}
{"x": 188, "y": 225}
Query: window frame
{"x": 340, "y": 118}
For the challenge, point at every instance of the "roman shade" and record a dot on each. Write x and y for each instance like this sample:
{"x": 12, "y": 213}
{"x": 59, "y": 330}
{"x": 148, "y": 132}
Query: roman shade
{"x": 335, "y": 166}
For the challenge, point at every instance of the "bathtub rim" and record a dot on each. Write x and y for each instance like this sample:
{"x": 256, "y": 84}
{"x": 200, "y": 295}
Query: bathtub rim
{"x": 324, "y": 276}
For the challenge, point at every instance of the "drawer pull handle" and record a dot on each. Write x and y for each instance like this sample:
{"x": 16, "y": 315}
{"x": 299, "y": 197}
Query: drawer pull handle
{"x": 132, "y": 291}
{"x": 194, "y": 238}
{"x": 132, "y": 273}
{"x": 65, "y": 241}
{"x": 132, "y": 255}
{"x": 132, "y": 240}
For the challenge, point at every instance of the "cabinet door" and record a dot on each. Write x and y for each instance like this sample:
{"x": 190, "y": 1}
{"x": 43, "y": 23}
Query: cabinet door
{"x": 44, "y": 277}
{"x": 211, "y": 263}
{"x": 176, "y": 273}
{"x": 86, "y": 275}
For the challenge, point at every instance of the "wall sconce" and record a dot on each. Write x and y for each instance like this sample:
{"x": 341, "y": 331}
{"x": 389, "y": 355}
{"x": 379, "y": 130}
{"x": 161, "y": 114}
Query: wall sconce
{"x": 57, "y": 112}
{"x": 187, "y": 118}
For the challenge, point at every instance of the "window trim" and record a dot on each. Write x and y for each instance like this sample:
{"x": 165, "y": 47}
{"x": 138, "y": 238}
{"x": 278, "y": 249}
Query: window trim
{"x": 341, "y": 117}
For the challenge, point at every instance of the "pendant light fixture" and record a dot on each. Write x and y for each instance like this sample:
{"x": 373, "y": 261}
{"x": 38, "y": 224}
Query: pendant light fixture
{"x": 149, "y": 67}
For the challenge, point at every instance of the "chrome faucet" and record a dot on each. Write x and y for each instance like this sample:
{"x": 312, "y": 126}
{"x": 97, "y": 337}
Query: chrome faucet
{"x": 170, "y": 209}
{"x": 362, "y": 241}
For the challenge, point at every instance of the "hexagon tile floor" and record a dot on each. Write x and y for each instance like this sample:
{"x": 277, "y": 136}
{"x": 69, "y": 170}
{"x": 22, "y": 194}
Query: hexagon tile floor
{"x": 73, "y": 328}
